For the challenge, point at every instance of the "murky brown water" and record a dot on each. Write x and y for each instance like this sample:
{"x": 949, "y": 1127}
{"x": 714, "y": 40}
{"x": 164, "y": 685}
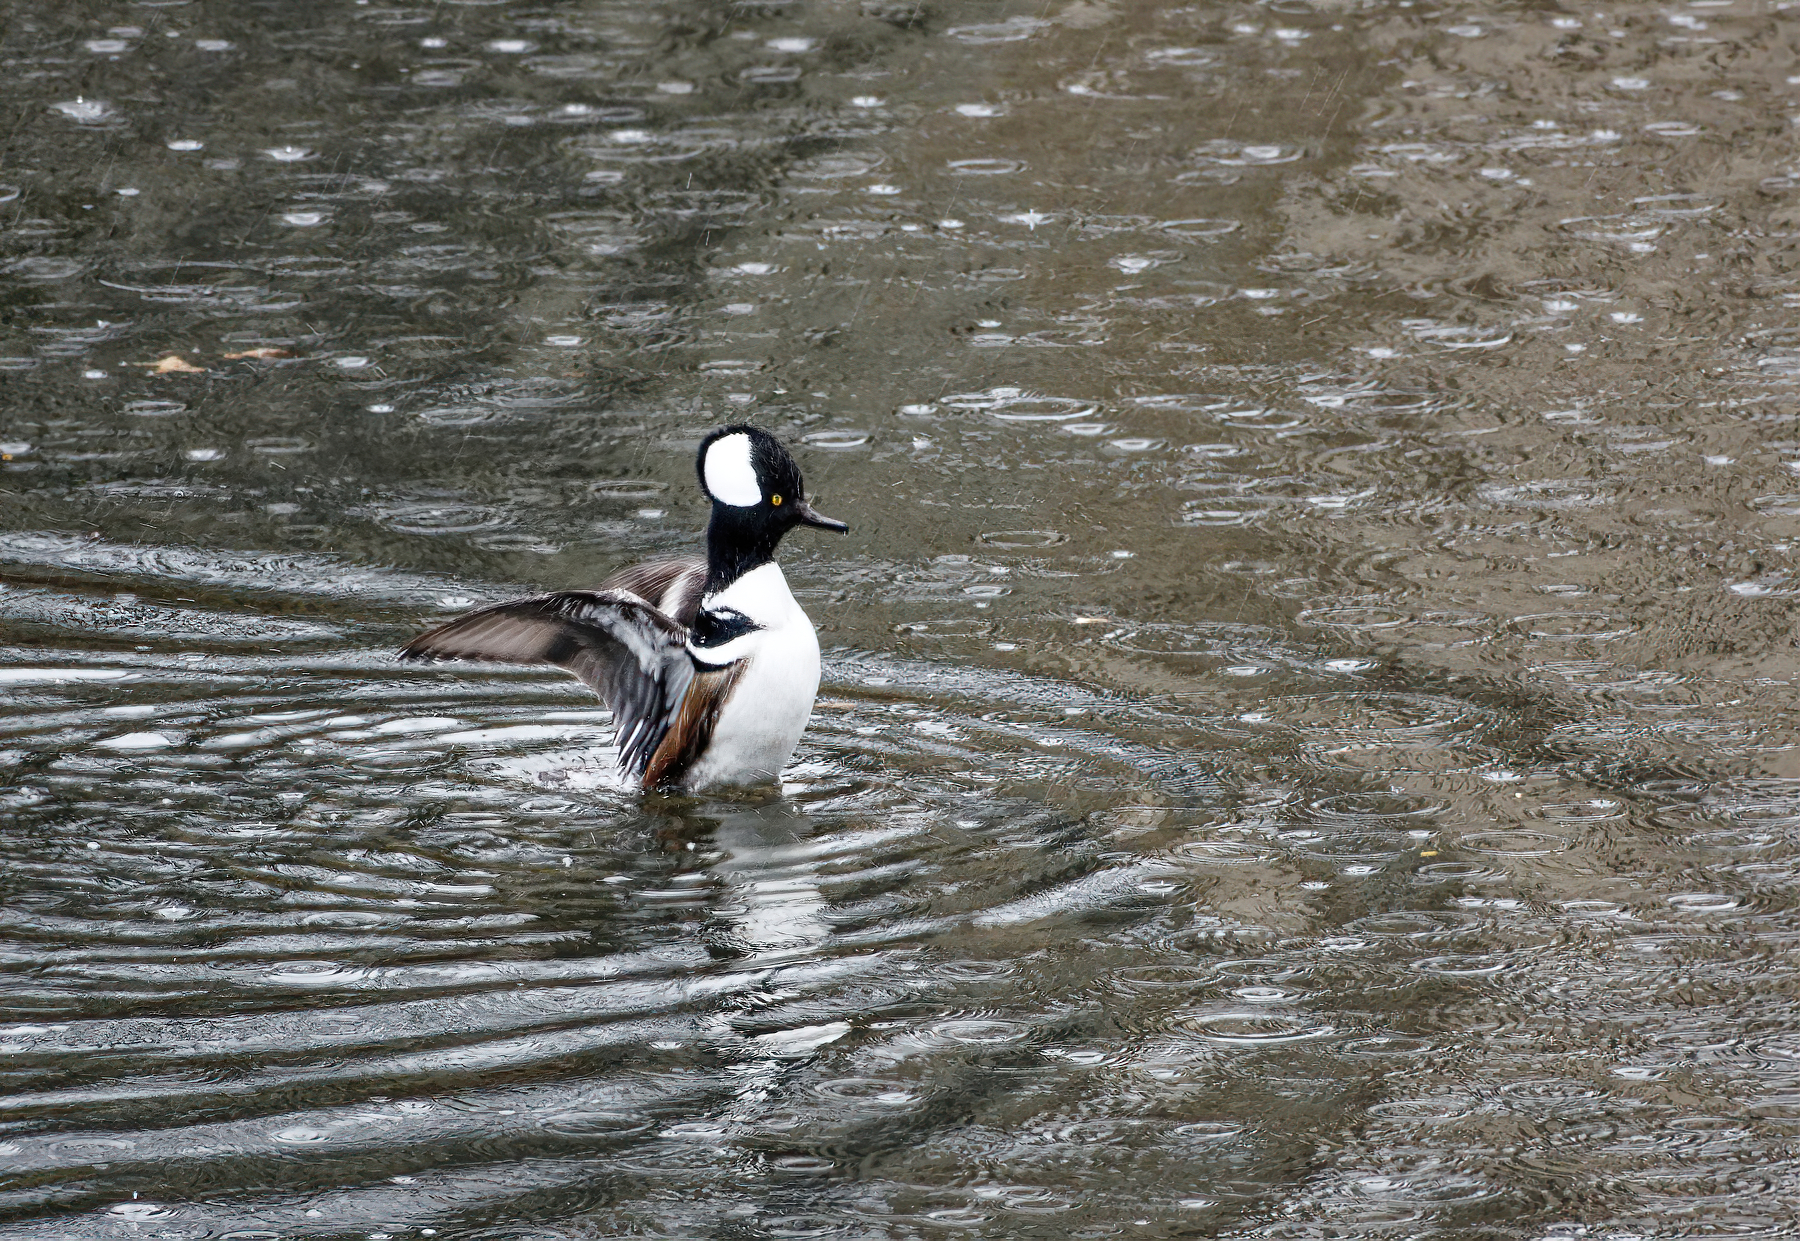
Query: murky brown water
{"x": 1308, "y": 747}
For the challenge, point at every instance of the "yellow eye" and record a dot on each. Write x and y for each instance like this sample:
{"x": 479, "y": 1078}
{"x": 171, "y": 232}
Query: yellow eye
{"x": 775, "y": 500}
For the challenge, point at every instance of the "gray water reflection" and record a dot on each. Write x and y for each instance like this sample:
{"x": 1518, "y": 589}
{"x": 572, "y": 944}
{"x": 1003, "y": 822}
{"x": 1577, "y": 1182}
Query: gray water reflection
{"x": 1307, "y": 740}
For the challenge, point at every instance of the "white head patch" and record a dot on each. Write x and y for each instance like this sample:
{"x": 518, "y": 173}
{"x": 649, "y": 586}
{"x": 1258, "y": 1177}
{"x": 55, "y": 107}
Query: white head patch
{"x": 729, "y": 474}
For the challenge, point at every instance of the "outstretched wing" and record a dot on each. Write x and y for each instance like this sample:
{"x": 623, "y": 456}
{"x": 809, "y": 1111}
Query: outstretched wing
{"x": 626, "y": 651}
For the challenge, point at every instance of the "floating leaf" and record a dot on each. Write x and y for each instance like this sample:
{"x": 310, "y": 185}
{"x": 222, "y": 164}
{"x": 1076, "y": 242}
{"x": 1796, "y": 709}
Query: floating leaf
{"x": 173, "y": 364}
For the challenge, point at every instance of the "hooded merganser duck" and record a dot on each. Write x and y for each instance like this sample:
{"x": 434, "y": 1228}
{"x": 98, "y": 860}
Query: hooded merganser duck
{"x": 708, "y": 665}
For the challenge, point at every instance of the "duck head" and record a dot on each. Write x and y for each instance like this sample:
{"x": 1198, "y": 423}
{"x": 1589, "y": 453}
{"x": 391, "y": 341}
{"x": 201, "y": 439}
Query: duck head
{"x": 757, "y": 496}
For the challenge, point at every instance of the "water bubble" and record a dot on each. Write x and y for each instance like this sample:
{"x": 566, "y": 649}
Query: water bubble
{"x": 1572, "y": 626}
{"x": 595, "y": 1124}
{"x": 979, "y": 1031}
{"x": 1513, "y": 843}
{"x": 769, "y": 75}
{"x": 1457, "y": 336}
{"x": 300, "y": 1135}
{"x": 1554, "y": 493}
{"x": 867, "y": 1091}
{"x": 1181, "y": 57}
{"x": 1677, "y": 205}
{"x": 140, "y": 741}
{"x": 1011, "y": 30}
{"x": 87, "y": 111}
{"x": 1198, "y": 229}
{"x": 840, "y": 439}
{"x": 1225, "y": 152}
{"x": 985, "y": 167}
{"x": 1253, "y": 1028}
{"x": 837, "y": 165}
{"x": 1704, "y": 902}
{"x": 1013, "y": 540}
{"x": 429, "y": 518}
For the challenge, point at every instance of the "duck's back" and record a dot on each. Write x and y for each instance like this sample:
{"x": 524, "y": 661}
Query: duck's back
{"x": 672, "y": 587}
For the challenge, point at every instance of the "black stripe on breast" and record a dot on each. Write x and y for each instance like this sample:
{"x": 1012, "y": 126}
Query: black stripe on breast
{"x": 716, "y": 628}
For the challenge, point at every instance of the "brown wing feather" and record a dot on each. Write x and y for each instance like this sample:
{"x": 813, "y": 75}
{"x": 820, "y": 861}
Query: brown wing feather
{"x": 621, "y": 647}
{"x": 654, "y": 581}
{"x": 692, "y": 729}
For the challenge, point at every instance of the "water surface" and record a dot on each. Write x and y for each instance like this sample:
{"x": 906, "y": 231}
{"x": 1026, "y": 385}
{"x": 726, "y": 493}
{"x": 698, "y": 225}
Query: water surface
{"x": 1307, "y": 747}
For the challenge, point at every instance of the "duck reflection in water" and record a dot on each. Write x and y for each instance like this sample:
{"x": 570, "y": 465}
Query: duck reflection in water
{"x": 767, "y": 898}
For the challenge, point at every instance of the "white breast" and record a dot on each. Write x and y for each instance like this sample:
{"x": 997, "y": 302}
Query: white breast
{"x": 769, "y": 706}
